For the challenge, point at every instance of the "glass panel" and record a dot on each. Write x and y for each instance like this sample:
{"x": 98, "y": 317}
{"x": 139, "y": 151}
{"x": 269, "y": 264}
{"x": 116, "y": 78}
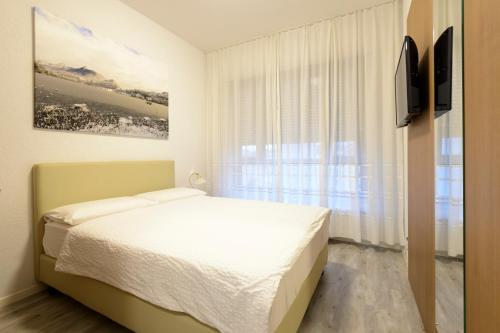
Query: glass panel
{"x": 449, "y": 200}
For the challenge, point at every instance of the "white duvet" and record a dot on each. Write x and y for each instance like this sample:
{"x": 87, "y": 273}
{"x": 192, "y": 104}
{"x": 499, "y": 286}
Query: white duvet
{"x": 219, "y": 260}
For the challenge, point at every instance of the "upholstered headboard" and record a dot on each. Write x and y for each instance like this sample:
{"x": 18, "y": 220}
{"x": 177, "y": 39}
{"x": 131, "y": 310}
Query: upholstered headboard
{"x": 58, "y": 184}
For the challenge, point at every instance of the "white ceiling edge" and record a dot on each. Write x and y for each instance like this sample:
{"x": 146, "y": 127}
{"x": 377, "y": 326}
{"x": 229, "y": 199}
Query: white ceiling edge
{"x": 214, "y": 24}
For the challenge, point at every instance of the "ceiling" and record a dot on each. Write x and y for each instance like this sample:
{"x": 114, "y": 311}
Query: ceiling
{"x": 214, "y": 24}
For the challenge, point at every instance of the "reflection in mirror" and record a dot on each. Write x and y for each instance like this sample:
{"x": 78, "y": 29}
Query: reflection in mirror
{"x": 449, "y": 182}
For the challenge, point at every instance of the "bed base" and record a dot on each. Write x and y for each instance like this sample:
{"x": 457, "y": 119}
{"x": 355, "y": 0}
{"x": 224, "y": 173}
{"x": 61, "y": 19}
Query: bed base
{"x": 141, "y": 316}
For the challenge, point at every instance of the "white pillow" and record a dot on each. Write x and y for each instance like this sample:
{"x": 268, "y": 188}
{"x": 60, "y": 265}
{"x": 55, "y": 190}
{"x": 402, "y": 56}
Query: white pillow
{"x": 80, "y": 212}
{"x": 171, "y": 194}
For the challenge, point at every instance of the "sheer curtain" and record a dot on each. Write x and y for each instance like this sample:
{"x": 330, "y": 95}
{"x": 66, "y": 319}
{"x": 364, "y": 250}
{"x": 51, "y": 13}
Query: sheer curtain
{"x": 448, "y": 142}
{"x": 307, "y": 116}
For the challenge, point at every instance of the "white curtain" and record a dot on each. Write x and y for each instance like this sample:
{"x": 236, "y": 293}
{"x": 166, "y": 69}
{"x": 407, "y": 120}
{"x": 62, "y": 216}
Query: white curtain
{"x": 448, "y": 141}
{"x": 307, "y": 116}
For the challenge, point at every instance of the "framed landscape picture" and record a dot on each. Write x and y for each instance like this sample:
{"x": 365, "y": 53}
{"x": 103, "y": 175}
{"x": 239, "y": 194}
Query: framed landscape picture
{"x": 85, "y": 82}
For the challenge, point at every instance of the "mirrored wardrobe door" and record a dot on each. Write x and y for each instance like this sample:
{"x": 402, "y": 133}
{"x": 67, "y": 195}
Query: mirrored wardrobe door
{"x": 449, "y": 243}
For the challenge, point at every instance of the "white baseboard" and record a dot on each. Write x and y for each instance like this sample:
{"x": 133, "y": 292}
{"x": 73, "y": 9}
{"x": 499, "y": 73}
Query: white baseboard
{"x": 9, "y": 299}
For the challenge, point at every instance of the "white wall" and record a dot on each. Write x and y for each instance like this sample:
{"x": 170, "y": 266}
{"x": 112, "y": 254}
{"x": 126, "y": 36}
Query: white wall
{"x": 21, "y": 146}
{"x": 406, "y": 9}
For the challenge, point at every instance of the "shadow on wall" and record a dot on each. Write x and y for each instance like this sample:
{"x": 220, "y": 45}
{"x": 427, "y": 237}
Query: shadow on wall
{"x": 25, "y": 267}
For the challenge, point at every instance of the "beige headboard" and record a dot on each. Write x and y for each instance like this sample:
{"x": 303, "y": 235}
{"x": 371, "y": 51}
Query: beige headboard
{"x": 58, "y": 184}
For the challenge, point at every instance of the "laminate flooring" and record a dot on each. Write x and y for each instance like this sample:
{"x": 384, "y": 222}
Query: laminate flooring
{"x": 449, "y": 295}
{"x": 363, "y": 289}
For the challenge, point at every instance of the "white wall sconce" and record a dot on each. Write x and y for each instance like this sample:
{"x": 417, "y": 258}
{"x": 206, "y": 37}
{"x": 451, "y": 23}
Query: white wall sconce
{"x": 195, "y": 179}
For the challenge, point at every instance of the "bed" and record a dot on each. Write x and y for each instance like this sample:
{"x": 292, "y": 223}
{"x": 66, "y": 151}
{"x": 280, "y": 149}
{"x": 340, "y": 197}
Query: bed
{"x": 56, "y": 185}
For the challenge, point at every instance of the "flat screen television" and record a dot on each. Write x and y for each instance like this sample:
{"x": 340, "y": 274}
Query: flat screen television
{"x": 407, "y": 84}
{"x": 443, "y": 62}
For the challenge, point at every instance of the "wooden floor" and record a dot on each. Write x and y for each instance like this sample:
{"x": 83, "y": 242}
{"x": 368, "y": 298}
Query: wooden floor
{"x": 449, "y": 295}
{"x": 364, "y": 289}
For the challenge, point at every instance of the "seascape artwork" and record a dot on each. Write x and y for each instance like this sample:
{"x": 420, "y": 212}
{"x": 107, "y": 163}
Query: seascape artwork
{"x": 85, "y": 82}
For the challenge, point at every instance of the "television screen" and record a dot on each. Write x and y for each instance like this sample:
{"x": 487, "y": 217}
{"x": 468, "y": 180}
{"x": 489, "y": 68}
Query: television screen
{"x": 407, "y": 84}
{"x": 443, "y": 60}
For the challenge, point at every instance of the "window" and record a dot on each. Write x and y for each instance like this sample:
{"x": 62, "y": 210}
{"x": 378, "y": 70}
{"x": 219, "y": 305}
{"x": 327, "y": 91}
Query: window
{"x": 449, "y": 180}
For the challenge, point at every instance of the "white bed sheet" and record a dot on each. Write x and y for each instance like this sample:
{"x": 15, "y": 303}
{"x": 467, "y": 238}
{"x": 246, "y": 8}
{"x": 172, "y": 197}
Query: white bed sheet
{"x": 289, "y": 287}
{"x": 233, "y": 264}
{"x": 53, "y": 237}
